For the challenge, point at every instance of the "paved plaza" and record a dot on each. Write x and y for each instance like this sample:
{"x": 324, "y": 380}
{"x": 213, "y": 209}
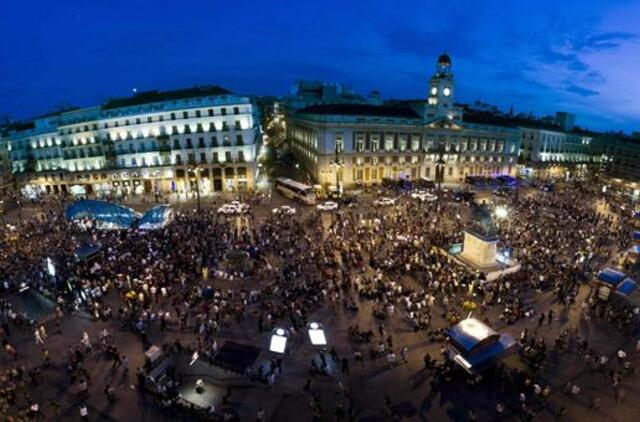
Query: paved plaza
{"x": 372, "y": 275}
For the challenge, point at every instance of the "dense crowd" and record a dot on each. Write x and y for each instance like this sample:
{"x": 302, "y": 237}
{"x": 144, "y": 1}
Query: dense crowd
{"x": 391, "y": 260}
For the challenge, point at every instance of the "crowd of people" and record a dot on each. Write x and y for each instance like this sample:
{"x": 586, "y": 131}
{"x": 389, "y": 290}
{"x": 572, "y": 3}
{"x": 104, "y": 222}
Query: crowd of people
{"x": 386, "y": 267}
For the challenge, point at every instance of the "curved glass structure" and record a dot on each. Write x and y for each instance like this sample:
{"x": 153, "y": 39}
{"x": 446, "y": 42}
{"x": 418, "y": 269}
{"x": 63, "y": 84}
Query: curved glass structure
{"x": 156, "y": 218}
{"x": 104, "y": 213}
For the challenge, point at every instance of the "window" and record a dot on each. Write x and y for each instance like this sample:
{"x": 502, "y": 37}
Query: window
{"x": 189, "y": 144}
{"x": 415, "y": 142}
{"x": 176, "y": 144}
{"x": 375, "y": 143}
{"x": 241, "y": 156}
{"x": 214, "y": 141}
{"x": 178, "y": 159}
{"x": 215, "y": 157}
{"x": 174, "y": 130}
{"x": 223, "y": 111}
{"x": 192, "y": 158}
{"x": 187, "y": 129}
{"x": 198, "y": 114}
{"x": 238, "y": 126}
{"x": 149, "y": 119}
{"x": 339, "y": 144}
{"x": 203, "y": 157}
{"x": 173, "y": 116}
{"x": 225, "y": 127}
{"x": 162, "y": 118}
{"x": 201, "y": 143}
{"x": 227, "y": 156}
{"x": 138, "y": 121}
{"x": 210, "y": 111}
{"x": 185, "y": 115}
{"x": 402, "y": 140}
{"x": 388, "y": 142}
{"x": 360, "y": 142}
{"x": 239, "y": 140}
{"x": 236, "y": 110}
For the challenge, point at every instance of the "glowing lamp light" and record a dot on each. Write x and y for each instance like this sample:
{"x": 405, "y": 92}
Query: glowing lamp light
{"x": 316, "y": 334}
{"x": 278, "y": 342}
{"x": 501, "y": 212}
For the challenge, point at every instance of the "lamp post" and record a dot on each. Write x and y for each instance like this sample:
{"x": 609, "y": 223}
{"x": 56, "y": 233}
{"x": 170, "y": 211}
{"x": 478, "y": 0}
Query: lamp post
{"x": 196, "y": 174}
{"x": 440, "y": 164}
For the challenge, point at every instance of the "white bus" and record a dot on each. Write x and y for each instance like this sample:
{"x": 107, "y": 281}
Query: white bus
{"x": 296, "y": 190}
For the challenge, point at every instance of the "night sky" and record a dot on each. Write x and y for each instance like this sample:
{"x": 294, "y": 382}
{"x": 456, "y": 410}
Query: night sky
{"x": 542, "y": 56}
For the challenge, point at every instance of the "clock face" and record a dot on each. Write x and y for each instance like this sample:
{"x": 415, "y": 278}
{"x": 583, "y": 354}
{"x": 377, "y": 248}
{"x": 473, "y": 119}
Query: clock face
{"x": 447, "y": 91}
{"x": 434, "y": 91}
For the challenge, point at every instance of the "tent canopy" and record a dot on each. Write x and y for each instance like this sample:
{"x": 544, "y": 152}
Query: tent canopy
{"x": 610, "y": 276}
{"x": 87, "y": 250}
{"x": 626, "y": 287}
{"x": 471, "y": 333}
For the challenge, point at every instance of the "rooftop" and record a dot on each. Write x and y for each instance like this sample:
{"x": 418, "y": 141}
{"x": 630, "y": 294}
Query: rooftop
{"x": 158, "y": 96}
{"x": 361, "y": 110}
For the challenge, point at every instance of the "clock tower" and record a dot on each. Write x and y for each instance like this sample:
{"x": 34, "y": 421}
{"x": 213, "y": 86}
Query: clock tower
{"x": 441, "y": 88}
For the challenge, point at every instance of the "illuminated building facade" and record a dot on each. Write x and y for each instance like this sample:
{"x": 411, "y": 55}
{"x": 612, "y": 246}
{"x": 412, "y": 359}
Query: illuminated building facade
{"x": 153, "y": 142}
{"x": 345, "y": 144}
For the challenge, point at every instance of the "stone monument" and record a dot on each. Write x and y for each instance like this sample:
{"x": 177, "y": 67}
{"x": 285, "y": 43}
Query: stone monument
{"x": 480, "y": 240}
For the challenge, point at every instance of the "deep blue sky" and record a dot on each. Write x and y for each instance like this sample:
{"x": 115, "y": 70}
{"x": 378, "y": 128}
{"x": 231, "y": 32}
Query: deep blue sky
{"x": 542, "y": 56}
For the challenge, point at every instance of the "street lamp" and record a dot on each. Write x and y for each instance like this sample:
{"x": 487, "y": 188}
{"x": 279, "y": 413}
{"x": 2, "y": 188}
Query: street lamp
{"x": 501, "y": 212}
{"x": 196, "y": 174}
{"x": 440, "y": 164}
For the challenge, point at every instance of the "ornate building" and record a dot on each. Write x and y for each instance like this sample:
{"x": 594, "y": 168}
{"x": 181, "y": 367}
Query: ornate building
{"x": 162, "y": 142}
{"x": 360, "y": 144}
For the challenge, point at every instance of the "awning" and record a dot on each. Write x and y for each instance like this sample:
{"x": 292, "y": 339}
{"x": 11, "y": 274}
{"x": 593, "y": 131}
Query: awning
{"x": 611, "y": 276}
{"x": 470, "y": 333}
{"x": 626, "y": 287}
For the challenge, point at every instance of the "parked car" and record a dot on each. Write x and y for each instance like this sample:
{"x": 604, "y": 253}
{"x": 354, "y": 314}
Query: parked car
{"x": 423, "y": 196}
{"x": 384, "y": 202}
{"x": 284, "y": 210}
{"x": 328, "y": 206}
{"x": 233, "y": 207}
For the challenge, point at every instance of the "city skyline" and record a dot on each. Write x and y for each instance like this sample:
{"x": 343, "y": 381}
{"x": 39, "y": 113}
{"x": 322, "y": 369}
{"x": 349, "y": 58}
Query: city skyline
{"x": 522, "y": 56}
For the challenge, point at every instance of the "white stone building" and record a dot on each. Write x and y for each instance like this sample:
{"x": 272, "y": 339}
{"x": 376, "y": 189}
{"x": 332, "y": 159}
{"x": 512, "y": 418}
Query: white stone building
{"x": 153, "y": 142}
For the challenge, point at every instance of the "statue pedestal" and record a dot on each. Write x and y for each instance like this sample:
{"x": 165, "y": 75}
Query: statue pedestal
{"x": 479, "y": 250}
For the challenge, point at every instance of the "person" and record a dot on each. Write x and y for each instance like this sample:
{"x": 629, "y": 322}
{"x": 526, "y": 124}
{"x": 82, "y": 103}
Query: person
{"x": 84, "y": 412}
{"x": 125, "y": 365}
